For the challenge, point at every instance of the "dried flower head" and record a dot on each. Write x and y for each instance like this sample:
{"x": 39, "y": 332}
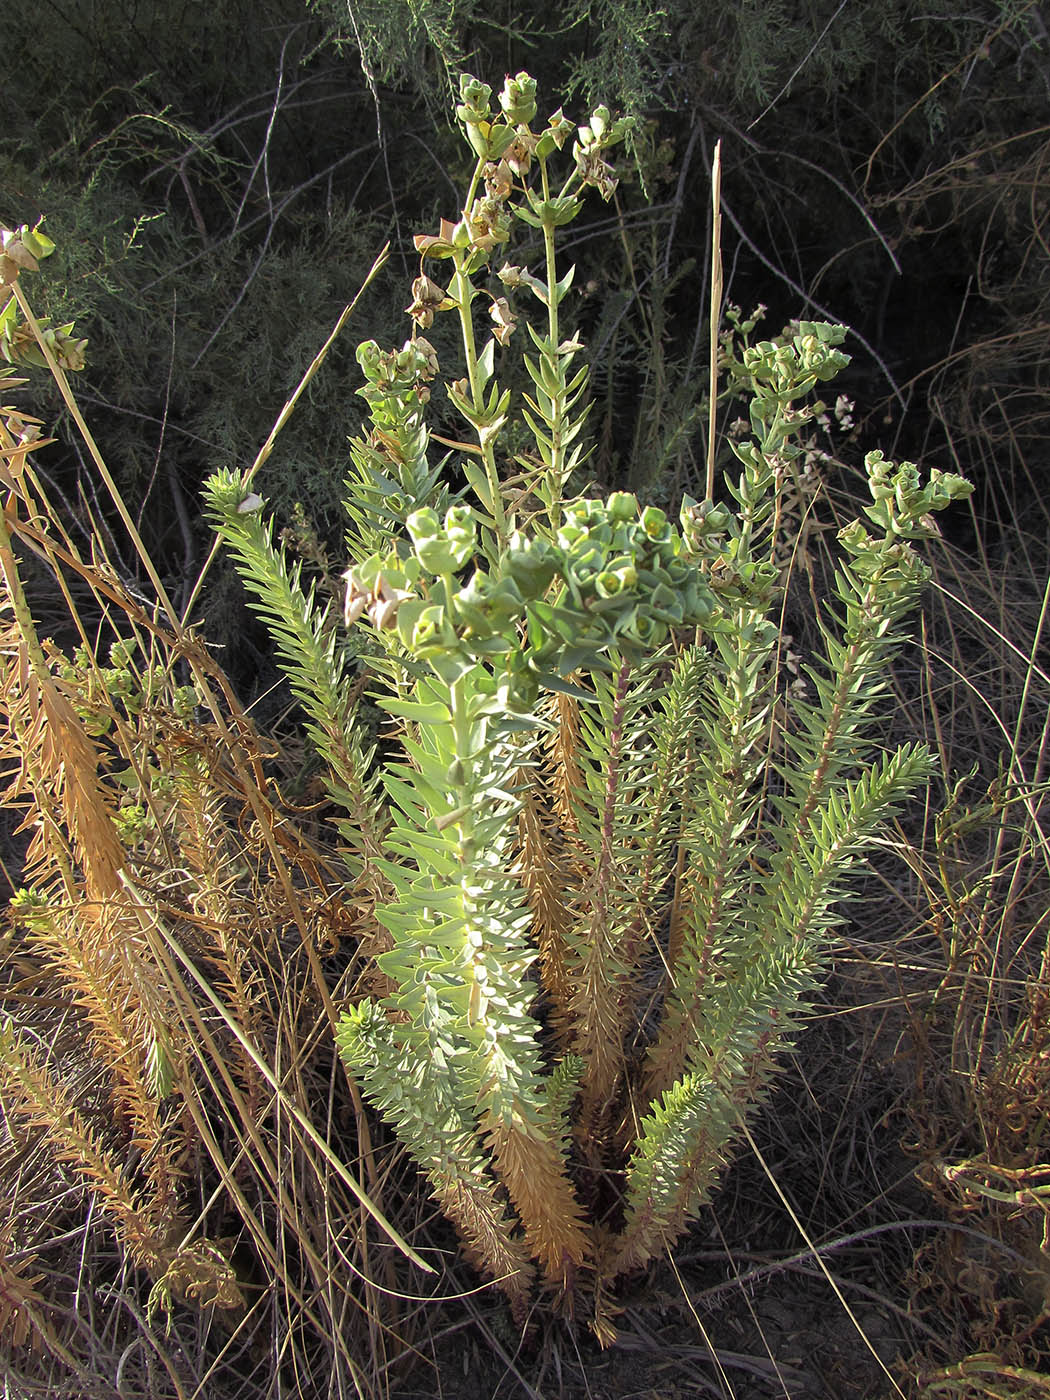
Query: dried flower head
{"x": 489, "y": 224}
{"x": 428, "y": 366}
{"x": 519, "y": 153}
{"x": 427, "y": 299}
{"x": 356, "y": 598}
{"x": 504, "y": 319}
{"x": 23, "y": 429}
{"x": 510, "y": 276}
{"x": 385, "y": 601}
{"x": 499, "y": 179}
{"x": 381, "y": 602}
{"x": 595, "y": 171}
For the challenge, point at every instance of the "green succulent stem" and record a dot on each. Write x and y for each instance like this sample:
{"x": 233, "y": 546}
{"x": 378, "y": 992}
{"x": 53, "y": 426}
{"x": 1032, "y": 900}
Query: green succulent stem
{"x": 597, "y": 1004}
{"x": 555, "y": 473}
{"x": 463, "y": 293}
{"x": 472, "y": 188}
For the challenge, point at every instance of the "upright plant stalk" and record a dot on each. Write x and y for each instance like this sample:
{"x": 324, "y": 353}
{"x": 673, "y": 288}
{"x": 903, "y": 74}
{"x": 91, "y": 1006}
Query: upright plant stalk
{"x": 460, "y": 952}
{"x": 718, "y": 818}
{"x": 715, "y": 316}
{"x": 485, "y": 416}
{"x": 597, "y": 1004}
{"x": 316, "y": 661}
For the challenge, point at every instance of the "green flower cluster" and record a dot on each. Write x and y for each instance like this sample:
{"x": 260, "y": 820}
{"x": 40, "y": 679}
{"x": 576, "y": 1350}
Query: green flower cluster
{"x": 812, "y": 350}
{"x": 903, "y": 504}
{"x": 617, "y": 576}
{"x": 395, "y": 379}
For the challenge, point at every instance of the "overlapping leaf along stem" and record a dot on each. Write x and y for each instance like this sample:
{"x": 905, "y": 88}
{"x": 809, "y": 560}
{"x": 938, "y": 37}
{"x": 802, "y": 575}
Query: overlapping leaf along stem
{"x": 724, "y": 796}
{"x": 597, "y": 1004}
{"x": 507, "y": 150}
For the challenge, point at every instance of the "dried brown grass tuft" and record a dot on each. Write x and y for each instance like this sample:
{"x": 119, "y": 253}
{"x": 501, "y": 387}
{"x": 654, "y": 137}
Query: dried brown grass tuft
{"x": 192, "y": 1197}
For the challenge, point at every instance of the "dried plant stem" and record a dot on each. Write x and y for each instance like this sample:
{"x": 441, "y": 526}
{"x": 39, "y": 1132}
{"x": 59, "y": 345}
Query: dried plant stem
{"x": 716, "y": 314}
{"x": 60, "y": 378}
{"x": 169, "y": 953}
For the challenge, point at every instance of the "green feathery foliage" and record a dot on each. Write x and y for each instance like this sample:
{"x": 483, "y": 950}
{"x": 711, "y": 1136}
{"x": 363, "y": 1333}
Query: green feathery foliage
{"x": 315, "y": 656}
{"x": 595, "y": 807}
